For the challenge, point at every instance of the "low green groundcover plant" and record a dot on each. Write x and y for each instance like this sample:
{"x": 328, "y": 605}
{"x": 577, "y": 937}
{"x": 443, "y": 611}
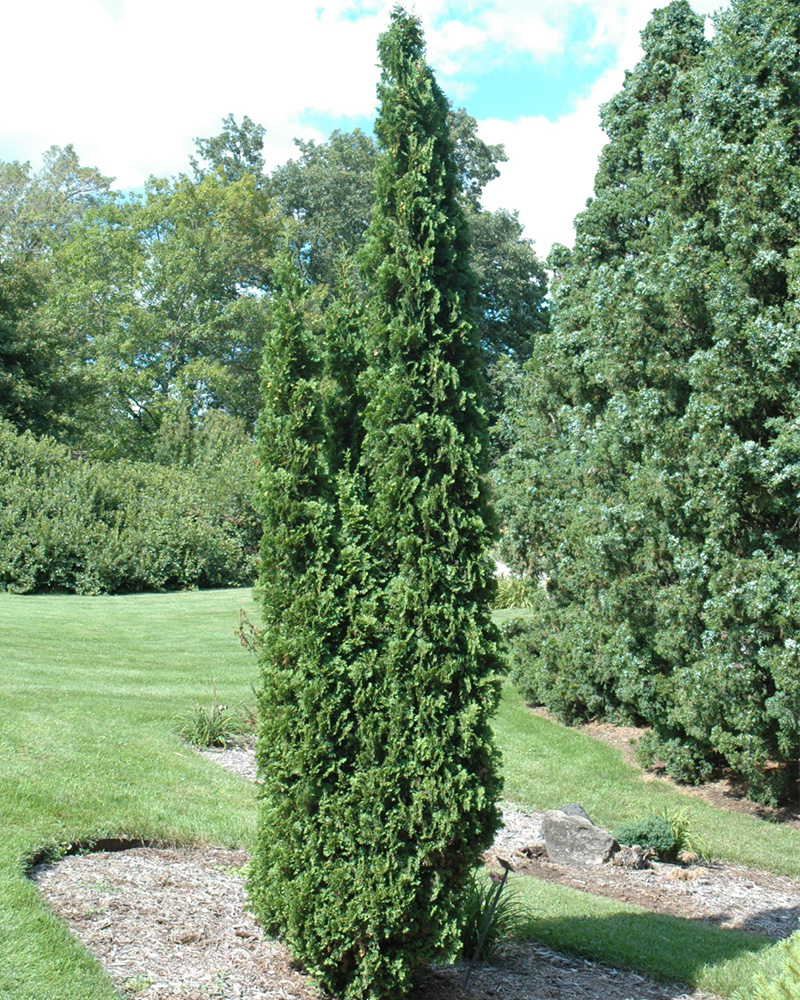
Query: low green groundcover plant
{"x": 651, "y": 831}
{"x": 671, "y": 834}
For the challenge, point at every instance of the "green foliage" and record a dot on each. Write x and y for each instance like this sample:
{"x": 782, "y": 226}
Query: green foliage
{"x": 307, "y": 717}
{"x": 235, "y": 152}
{"x": 787, "y": 985}
{"x": 670, "y": 834}
{"x": 556, "y": 680}
{"x": 167, "y": 290}
{"x": 688, "y": 840}
{"x": 328, "y": 193}
{"x": 507, "y": 921}
{"x": 216, "y": 726}
{"x": 106, "y": 527}
{"x": 651, "y": 831}
{"x": 653, "y": 474}
{"x": 379, "y": 661}
{"x": 683, "y": 760}
{"x": 212, "y": 727}
{"x": 42, "y": 384}
{"x": 514, "y": 592}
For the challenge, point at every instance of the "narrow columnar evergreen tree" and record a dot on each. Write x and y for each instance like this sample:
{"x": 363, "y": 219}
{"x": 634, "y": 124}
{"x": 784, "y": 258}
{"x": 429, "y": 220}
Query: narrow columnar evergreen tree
{"x": 427, "y": 774}
{"x": 303, "y": 710}
{"x": 380, "y": 668}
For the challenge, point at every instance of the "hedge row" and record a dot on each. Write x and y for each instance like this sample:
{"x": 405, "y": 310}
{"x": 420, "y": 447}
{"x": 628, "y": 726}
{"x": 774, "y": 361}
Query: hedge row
{"x": 92, "y": 527}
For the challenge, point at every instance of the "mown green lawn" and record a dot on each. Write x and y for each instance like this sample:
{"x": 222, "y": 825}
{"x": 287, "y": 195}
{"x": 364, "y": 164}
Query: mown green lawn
{"x": 91, "y": 687}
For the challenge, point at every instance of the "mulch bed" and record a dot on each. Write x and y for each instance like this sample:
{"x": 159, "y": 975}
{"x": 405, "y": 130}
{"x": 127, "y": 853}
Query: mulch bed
{"x": 172, "y": 923}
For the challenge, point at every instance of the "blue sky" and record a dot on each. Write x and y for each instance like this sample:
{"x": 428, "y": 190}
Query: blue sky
{"x": 131, "y": 83}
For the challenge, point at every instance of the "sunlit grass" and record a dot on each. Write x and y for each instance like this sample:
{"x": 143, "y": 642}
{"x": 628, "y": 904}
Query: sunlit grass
{"x": 546, "y": 765}
{"x": 88, "y": 750}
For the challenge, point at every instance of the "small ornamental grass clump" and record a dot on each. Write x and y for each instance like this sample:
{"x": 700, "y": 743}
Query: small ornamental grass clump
{"x": 215, "y": 726}
{"x": 507, "y": 919}
{"x": 514, "y": 592}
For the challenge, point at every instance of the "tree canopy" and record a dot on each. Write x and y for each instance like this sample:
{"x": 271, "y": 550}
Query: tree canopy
{"x": 654, "y": 485}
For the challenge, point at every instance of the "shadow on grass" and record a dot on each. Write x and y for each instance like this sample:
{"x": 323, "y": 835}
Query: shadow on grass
{"x": 670, "y": 949}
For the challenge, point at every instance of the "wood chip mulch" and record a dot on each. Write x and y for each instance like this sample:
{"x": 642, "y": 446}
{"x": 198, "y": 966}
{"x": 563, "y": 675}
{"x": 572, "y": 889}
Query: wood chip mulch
{"x": 172, "y": 923}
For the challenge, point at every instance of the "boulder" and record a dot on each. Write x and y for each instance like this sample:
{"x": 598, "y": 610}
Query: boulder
{"x": 573, "y": 809}
{"x": 575, "y": 840}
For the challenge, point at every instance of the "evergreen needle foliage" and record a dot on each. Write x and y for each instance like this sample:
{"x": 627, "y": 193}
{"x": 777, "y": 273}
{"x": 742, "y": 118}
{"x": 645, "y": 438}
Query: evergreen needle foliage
{"x": 379, "y": 662}
{"x": 654, "y": 479}
{"x": 787, "y": 985}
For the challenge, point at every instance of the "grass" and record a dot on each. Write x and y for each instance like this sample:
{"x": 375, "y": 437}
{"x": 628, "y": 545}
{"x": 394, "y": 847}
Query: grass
{"x": 546, "y": 765}
{"x": 88, "y": 750}
{"x": 626, "y": 936}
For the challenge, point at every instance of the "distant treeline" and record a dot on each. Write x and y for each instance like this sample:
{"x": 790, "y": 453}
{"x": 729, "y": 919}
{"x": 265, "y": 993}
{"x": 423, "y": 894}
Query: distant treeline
{"x": 132, "y": 327}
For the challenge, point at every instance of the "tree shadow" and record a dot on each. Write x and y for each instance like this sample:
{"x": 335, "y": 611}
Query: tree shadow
{"x": 667, "y": 948}
{"x": 776, "y": 921}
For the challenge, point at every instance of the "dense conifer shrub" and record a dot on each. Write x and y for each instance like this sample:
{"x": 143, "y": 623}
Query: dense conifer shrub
{"x": 95, "y": 527}
{"x": 654, "y": 476}
{"x": 379, "y": 663}
{"x": 650, "y": 831}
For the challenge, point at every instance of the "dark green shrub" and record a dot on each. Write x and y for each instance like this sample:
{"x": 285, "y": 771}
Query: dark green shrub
{"x": 546, "y": 666}
{"x": 379, "y": 661}
{"x": 656, "y": 436}
{"x": 650, "y": 831}
{"x": 107, "y": 527}
{"x": 683, "y": 759}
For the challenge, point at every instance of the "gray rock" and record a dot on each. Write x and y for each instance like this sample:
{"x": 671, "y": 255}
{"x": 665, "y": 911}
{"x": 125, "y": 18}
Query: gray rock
{"x": 574, "y": 840}
{"x": 573, "y": 809}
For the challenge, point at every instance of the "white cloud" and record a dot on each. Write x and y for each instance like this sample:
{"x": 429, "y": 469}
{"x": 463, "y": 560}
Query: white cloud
{"x": 551, "y": 167}
{"x": 131, "y": 82}
{"x": 552, "y": 164}
{"x": 132, "y": 90}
